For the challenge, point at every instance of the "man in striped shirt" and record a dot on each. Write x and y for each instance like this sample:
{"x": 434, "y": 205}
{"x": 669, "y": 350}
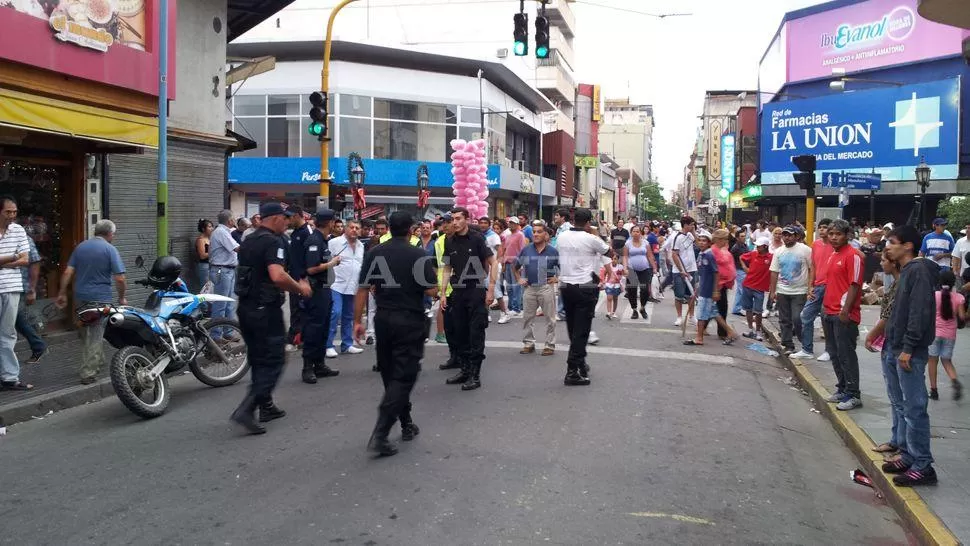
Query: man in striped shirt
{"x": 13, "y": 256}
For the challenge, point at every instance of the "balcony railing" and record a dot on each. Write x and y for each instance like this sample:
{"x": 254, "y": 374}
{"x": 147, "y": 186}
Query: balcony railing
{"x": 561, "y": 15}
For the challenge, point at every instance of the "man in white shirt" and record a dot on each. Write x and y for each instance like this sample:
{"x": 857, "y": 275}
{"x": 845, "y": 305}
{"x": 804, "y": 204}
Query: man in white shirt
{"x": 960, "y": 250}
{"x": 684, "y": 268}
{"x": 344, "y": 287}
{"x": 580, "y": 259}
{"x": 14, "y": 250}
{"x": 791, "y": 268}
{"x": 761, "y": 231}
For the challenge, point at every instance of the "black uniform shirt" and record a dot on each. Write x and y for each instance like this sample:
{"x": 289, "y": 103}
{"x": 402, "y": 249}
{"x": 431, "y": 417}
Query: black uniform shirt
{"x": 401, "y": 272}
{"x": 257, "y": 252}
{"x": 297, "y": 258}
{"x": 467, "y": 254}
{"x": 316, "y": 252}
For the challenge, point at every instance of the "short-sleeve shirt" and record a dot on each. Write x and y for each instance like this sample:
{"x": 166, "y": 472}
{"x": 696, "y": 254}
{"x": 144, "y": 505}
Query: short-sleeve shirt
{"x": 468, "y": 255}
{"x": 297, "y": 264}
{"x": 316, "y": 252}
{"x": 580, "y": 256}
{"x": 706, "y": 269}
{"x": 222, "y": 248}
{"x": 947, "y": 329}
{"x": 439, "y": 252}
{"x": 95, "y": 263}
{"x": 821, "y": 251}
{"x": 14, "y": 241}
{"x": 514, "y": 244}
{"x": 960, "y": 250}
{"x": 792, "y": 266}
{"x": 654, "y": 244}
{"x": 844, "y": 270}
{"x": 888, "y": 302}
{"x": 619, "y": 237}
{"x": 936, "y": 245}
{"x": 527, "y": 231}
{"x": 726, "y": 271}
{"x": 539, "y": 266}
{"x": 683, "y": 245}
{"x": 258, "y": 251}
{"x": 401, "y": 272}
{"x": 347, "y": 271}
{"x": 759, "y": 270}
{"x": 32, "y": 257}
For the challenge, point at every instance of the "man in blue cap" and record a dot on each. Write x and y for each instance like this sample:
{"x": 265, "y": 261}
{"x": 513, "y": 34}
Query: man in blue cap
{"x": 316, "y": 325}
{"x": 938, "y": 245}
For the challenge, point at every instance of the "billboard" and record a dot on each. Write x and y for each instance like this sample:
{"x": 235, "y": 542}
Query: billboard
{"x": 727, "y": 162}
{"x": 863, "y": 36}
{"x": 714, "y": 130}
{"x": 887, "y": 130}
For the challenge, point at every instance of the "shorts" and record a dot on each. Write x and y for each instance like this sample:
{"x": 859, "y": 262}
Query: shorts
{"x": 613, "y": 290}
{"x": 752, "y": 300}
{"x": 705, "y": 309}
{"x": 680, "y": 286}
{"x": 942, "y": 347}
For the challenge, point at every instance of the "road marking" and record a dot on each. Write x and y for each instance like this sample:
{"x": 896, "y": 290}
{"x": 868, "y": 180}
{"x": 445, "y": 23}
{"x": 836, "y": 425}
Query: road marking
{"x": 639, "y": 353}
{"x": 677, "y": 517}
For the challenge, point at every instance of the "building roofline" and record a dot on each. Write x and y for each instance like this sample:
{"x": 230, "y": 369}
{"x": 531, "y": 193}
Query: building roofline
{"x": 355, "y": 52}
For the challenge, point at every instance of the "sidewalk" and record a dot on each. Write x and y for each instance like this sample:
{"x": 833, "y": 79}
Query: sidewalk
{"x": 949, "y": 419}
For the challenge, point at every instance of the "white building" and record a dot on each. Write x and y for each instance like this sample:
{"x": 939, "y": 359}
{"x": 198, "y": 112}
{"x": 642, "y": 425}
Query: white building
{"x": 626, "y": 134}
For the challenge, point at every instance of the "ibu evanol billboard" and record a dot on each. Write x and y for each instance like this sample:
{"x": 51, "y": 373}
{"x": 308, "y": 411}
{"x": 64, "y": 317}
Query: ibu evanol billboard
{"x": 888, "y": 130}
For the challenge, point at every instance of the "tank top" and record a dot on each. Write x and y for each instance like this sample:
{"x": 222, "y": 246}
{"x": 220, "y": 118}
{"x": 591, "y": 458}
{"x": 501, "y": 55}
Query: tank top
{"x": 638, "y": 255}
{"x": 205, "y": 260}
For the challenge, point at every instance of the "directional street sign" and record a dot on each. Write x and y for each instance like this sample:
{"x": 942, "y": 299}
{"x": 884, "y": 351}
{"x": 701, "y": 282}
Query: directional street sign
{"x": 852, "y": 181}
{"x": 831, "y": 180}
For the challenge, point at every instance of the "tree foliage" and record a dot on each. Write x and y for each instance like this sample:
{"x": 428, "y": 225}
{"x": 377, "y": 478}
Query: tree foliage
{"x": 956, "y": 210}
{"x": 653, "y": 203}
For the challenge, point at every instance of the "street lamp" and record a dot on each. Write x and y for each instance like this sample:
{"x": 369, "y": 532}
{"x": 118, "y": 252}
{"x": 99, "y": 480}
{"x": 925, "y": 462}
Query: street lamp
{"x": 424, "y": 183}
{"x": 356, "y": 175}
{"x": 923, "y": 181}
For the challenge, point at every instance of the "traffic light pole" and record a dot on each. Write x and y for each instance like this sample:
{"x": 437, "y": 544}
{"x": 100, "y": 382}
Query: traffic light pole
{"x": 161, "y": 189}
{"x": 810, "y": 215}
{"x": 324, "y": 200}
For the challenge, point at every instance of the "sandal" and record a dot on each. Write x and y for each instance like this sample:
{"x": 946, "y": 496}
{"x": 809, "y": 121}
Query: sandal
{"x": 731, "y": 340}
{"x": 885, "y": 447}
{"x": 15, "y": 386}
{"x": 692, "y": 342}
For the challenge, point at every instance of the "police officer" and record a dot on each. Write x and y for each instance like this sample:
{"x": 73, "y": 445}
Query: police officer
{"x": 402, "y": 275}
{"x": 261, "y": 277}
{"x": 297, "y": 269}
{"x": 316, "y": 322}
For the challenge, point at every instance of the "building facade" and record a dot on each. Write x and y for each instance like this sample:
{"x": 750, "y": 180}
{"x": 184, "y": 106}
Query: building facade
{"x": 626, "y": 134}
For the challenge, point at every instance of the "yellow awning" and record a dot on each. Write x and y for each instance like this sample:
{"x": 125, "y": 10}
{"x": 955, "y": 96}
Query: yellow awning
{"x": 57, "y": 116}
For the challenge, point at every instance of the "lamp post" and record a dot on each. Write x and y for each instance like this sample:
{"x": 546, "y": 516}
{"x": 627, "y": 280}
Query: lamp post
{"x": 923, "y": 181}
{"x": 355, "y": 175}
{"x": 424, "y": 188}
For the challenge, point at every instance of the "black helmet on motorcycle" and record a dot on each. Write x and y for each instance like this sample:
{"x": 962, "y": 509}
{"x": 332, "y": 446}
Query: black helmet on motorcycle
{"x": 165, "y": 271}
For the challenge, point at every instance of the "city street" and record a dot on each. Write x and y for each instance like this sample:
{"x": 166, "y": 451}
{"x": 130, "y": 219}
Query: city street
{"x": 668, "y": 445}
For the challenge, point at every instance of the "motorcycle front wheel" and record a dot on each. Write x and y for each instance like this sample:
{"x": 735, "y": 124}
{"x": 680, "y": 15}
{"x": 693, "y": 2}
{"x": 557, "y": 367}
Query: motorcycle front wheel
{"x": 145, "y": 397}
{"x": 208, "y": 366}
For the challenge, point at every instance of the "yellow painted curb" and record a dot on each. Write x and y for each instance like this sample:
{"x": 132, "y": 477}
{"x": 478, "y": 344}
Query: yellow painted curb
{"x": 919, "y": 519}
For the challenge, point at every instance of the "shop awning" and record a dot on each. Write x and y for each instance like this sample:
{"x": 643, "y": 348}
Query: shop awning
{"x": 38, "y": 113}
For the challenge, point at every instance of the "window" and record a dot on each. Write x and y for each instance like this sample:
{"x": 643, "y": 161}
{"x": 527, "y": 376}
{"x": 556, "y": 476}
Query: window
{"x": 355, "y": 136}
{"x": 395, "y": 140}
{"x": 283, "y": 137}
{"x": 355, "y": 105}
{"x": 254, "y": 128}
{"x": 414, "y": 111}
{"x": 471, "y": 116}
{"x": 249, "y": 105}
{"x": 469, "y": 133}
{"x": 285, "y": 105}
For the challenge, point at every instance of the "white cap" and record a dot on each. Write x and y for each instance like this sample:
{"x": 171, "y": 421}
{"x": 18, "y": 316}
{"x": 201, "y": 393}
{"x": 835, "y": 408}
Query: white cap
{"x": 513, "y": 220}
{"x": 762, "y": 241}
{"x": 888, "y": 225}
{"x": 703, "y": 233}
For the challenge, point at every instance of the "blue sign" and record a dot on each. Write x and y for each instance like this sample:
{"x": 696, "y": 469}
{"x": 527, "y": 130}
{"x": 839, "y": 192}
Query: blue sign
{"x": 852, "y": 181}
{"x": 831, "y": 180}
{"x": 727, "y": 162}
{"x": 306, "y": 170}
{"x": 886, "y": 130}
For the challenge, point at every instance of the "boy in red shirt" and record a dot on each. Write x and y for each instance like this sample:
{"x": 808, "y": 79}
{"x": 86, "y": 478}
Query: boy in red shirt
{"x": 757, "y": 265}
{"x": 841, "y": 314}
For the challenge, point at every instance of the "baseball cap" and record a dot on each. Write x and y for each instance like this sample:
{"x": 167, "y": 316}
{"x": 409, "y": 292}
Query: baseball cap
{"x": 324, "y": 215}
{"x": 513, "y": 220}
{"x": 939, "y": 221}
{"x": 790, "y": 230}
{"x": 273, "y": 208}
{"x": 446, "y": 217}
{"x": 762, "y": 241}
{"x": 703, "y": 233}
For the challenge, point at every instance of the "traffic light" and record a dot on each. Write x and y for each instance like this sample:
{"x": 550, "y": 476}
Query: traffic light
{"x": 521, "y": 34}
{"x": 318, "y": 115}
{"x": 542, "y": 35}
{"x": 805, "y": 178}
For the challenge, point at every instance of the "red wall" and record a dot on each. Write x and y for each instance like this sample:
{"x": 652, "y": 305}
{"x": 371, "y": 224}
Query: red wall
{"x": 747, "y": 153}
{"x": 558, "y": 149}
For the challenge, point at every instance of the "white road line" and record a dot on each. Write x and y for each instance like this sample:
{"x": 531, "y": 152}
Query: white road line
{"x": 641, "y": 353}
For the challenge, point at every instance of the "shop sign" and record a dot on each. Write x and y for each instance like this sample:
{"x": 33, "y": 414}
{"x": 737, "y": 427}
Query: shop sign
{"x": 752, "y": 192}
{"x": 587, "y": 161}
{"x": 70, "y": 31}
{"x": 378, "y": 172}
{"x": 714, "y": 150}
{"x": 886, "y": 131}
{"x": 866, "y": 35}
{"x": 727, "y": 162}
{"x": 597, "y": 113}
{"x": 736, "y": 200}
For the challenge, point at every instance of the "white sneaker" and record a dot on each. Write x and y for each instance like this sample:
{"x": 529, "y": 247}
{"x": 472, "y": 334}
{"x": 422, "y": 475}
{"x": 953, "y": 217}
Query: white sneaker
{"x": 290, "y": 348}
{"x": 593, "y": 338}
{"x": 353, "y": 350}
{"x": 802, "y": 355}
{"x": 516, "y": 314}
{"x": 490, "y": 318}
{"x": 693, "y": 320}
{"x": 331, "y": 353}
{"x": 679, "y": 321}
{"x": 504, "y": 319}
{"x": 824, "y": 357}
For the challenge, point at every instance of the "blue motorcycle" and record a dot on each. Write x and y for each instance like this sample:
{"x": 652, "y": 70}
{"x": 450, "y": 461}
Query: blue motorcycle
{"x": 164, "y": 337}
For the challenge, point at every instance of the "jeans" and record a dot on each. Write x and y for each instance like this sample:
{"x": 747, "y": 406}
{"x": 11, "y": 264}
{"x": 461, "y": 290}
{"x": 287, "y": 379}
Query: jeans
{"x": 9, "y": 365}
{"x": 811, "y": 310}
{"x": 914, "y": 427}
{"x": 371, "y": 309}
{"x": 840, "y": 342}
{"x": 789, "y": 318}
{"x": 541, "y": 295}
{"x": 342, "y": 313}
{"x": 737, "y": 290}
{"x": 202, "y": 270}
{"x": 580, "y": 303}
{"x": 223, "y": 283}
{"x": 26, "y": 329}
{"x": 513, "y": 288}
{"x": 891, "y": 376}
{"x": 92, "y": 348}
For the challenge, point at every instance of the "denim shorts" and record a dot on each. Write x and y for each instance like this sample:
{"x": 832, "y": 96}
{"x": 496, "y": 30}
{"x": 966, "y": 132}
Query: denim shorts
{"x": 752, "y": 300}
{"x": 942, "y": 347}
{"x": 705, "y": 309}
{"x": 613, "y": 291}
{"x": 680, "y": 286}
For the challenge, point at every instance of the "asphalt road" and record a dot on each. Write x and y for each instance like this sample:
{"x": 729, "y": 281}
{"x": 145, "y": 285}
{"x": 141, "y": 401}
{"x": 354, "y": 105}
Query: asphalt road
{"x": 669, "y": 445}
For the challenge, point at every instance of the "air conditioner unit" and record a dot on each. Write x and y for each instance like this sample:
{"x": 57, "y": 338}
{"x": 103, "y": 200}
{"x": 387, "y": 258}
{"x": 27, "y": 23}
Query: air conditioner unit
{"x": 92, "y": 183}
{"x": 502, "y": 53}
{"x": 507, "y": 162}
{"x": 519, "y": 165}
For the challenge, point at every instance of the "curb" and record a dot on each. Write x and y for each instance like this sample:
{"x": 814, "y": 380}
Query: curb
{"x": 63, "y": 399}
{"x": 919, "y": 519}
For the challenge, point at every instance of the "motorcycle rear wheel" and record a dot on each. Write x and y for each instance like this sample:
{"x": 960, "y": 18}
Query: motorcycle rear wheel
{"x": 129, "y": 369}
{"x": 217, "y": 373}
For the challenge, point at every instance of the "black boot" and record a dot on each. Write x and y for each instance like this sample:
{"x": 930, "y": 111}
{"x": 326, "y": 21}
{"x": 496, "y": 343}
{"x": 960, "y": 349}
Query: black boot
{"x": 322, "y": 370}
{"x": 575, "y": 378}
{"x": 473, "y": 382}
{"x": 269, "y": 411}
{"x": 378, "y": 442}
{"x": 308, "y": 375}
{"x": 246, "y": 418}
{"x": 461, "y": 376}
{"x": 409, "y": 430}
{"x": 452, "y": 364}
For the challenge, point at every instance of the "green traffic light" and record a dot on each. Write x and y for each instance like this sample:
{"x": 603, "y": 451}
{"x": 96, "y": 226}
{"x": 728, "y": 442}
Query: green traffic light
{"x": 315, "y": 129}
{"x": 519, "y": 48}
{"x": 542, "y": 52}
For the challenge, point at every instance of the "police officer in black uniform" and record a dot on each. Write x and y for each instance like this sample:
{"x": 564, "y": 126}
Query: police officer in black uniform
{"x": 316, "y": 321}
{"x": 402, "y": 275}
{"x": 261, "y": 276}
{"x": 297, "y": 270}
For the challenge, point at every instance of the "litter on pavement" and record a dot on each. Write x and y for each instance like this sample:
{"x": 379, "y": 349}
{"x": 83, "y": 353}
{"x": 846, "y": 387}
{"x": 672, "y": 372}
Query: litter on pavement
{"x": 761, "y": 348}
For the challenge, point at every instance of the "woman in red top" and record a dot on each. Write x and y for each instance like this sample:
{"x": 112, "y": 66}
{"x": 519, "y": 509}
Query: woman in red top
{"x": 726, "y": 272}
